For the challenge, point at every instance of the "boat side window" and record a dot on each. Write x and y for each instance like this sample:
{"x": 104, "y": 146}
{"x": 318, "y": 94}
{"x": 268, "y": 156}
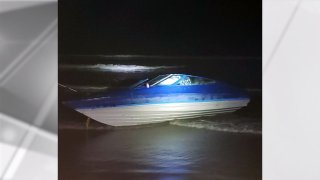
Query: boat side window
{"x": 200, "y": 81}
{"x": 169, "y": 81}
{"x": 185, "y": 82}
{"x": 208, "y": 81}
{"x": 190, "y": 80}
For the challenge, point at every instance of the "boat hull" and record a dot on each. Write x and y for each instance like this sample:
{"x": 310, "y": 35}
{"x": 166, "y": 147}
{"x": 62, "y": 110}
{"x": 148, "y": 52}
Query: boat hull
{"x": 156, "y": 113}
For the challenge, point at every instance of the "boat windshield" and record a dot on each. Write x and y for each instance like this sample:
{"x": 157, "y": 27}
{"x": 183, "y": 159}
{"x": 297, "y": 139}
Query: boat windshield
{"x": 176, "y": 79}
{"x": 151, "y": 82}
{"x": 157, "y": 79}
{"x": 169, "y": 81}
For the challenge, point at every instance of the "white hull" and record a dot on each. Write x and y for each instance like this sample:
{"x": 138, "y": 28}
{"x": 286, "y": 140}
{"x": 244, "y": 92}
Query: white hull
{"x": 155, "y": 113}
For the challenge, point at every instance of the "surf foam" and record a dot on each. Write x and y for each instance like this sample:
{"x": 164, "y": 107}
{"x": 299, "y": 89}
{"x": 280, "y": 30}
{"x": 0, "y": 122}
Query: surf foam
{"x": 224, "y": 124}
{"x": 116, "y": 68}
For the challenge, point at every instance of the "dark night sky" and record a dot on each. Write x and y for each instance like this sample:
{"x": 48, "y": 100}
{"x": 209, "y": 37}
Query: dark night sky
{"x": 161, "y": 27}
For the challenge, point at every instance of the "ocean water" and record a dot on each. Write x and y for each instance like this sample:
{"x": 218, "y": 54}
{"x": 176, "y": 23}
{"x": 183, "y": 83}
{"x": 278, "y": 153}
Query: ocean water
{"x": 226, "y": 146}
{"x": 123, "y": 70}
{"x": 159, "y": 152}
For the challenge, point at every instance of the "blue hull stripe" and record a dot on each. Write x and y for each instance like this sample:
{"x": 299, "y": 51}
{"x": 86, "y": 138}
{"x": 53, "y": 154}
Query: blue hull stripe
{"x": 162, "y": 95}
{"x": 151, "y": 103}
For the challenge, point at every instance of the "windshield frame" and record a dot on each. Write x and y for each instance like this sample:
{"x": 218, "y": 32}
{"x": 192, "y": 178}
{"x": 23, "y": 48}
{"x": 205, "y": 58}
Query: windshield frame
{"x": 142, "y": 84}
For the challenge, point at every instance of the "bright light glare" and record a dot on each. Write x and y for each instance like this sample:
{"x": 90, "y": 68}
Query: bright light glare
{"x": 169, "y": 81}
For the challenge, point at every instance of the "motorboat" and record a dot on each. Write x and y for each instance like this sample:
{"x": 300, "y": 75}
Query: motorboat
{"x": 163, "y": 98}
